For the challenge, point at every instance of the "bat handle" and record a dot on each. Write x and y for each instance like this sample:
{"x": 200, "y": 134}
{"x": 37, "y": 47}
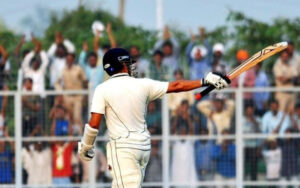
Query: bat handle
{"x": 200, "y": 95}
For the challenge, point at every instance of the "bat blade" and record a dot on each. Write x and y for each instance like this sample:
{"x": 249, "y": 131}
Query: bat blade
{"x": 248, "y": 64}
{"x": 257, "y": 58}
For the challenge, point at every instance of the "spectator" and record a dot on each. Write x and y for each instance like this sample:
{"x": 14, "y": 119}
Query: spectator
{"x": 101, "y": 51}
{"x": 224, "y": 155}
{"x": 198, "y": 58}
{"x": 204, "y": 162}
{"x": 62, "y": 162}
{"x": 31, "y": 104}
{"x": 218, "y": 64}
{"x": 3, "y": 127}
{"x": 73, "y": 78}
{"x": 61, "y": 123}
{"x": 218, "y": 111}
{"x": 285, "y": 74}
{"x": 37, "y": 163}
{"x": 153, "y": 118}
{"x": 294, "y": 58}
{"x": 170, "y": 47}
{"x": 275, "y": 121}
{"x": 289, "y": 159}
{"x": 296, "y": 117}
{"x": 57, "y": 54}
{"x": 251, "y": 125}
{"x": 182, "y": 119}
{"x": 142, "y": 64}
{"x": 158, "y": 71}
{"x": 246, "y": 79}
{"x": 154, "y": 167}
{"x": 34, "y": 66}
{"x": 174, "y": 99}
{"x": 183, "y": 159}
{"x": 6, "y": 163}
{"x": 94, "y": 72}
{"x": 273, "y": 156}
{"x": 4, "y": 65}
{"x": 261, "y": 98}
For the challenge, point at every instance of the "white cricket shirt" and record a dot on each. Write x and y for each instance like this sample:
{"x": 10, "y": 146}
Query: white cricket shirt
{"x": 123, "y": 100}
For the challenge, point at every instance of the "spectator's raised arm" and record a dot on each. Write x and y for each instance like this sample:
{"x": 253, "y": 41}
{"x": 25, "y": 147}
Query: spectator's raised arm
{"x": 205, "y": 107}
{"x": 4, "y": 54}
{"x": 189, "y": 48}
{"x": 83, "y": 55}
{"x": 45, "y": 61}
{"x": 26, "y": 63}
{"x": 95, "y": 43}
{"x": 111, "y": 37}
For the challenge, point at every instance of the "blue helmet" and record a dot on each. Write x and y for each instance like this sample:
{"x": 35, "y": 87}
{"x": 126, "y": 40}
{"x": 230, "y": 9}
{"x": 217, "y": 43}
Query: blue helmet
{"x": 115, "y": 59}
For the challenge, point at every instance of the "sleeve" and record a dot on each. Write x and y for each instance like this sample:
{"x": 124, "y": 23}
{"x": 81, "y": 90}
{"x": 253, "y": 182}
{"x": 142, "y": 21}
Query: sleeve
{"x": 98, "y": 102}
{"x": 45, "y": 61}
{"x": 230, "y": 107}
{"x": 70, "y": 46}
{"x": 81, "y": 59}
{"x": 156, "y": 89}
{"x": 176, "y": 48}
{"x": 188, "y": 52}
{"x": 26, "y": 62}
{"x": 158, "y": 44}
{"x": 52, "y": 49}
{"x": 209, "y": 56}
{"x": 264, "y": 124}
{"x": 204, "y": 107}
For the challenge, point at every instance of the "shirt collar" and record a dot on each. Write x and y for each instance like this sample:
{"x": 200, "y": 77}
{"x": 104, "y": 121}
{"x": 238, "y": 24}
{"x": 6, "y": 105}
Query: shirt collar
{"x": 119, "y": 74}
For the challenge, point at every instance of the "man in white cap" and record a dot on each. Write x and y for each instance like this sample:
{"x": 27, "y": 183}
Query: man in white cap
{"x": 198, "y": 56}
{"x": 218, "y": 64}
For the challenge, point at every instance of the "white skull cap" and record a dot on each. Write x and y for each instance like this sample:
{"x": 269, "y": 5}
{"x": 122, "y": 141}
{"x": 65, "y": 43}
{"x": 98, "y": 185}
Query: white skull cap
{"x": 218, "y": 47}
{"x": 202, "y": 49}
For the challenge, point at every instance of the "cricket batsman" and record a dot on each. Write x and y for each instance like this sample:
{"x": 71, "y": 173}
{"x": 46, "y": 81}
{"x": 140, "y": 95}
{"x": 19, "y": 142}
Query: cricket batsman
{"x": 123, "y": 100}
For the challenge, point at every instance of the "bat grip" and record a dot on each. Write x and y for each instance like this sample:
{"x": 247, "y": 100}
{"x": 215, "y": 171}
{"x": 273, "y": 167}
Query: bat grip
{"x": 200, "y": 95}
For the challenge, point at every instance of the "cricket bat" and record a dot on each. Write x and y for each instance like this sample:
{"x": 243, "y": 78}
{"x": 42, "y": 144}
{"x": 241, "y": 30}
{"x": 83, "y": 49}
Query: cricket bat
{"x": 248, "y": 64}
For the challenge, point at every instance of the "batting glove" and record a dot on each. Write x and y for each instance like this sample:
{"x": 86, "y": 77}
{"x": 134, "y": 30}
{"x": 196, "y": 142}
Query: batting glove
{"x": 86, "y": 152}
{"x": 218, "y": 80}
{"x": 86, "y": 148}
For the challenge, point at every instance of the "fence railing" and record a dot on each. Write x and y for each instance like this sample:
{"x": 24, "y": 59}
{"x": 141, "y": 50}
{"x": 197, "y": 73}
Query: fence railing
{"x": 166, "y": 141}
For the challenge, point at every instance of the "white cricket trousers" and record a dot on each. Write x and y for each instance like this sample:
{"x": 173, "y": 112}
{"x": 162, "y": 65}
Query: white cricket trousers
{"x": 126, "y": 164}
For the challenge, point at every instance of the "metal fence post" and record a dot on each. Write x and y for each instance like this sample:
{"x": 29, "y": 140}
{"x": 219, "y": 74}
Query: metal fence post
{"x": 165, "y": 142}
{"x": 239, "y": 138}
{"x": 18, "y": 139}
{"x": 93, "y": 163}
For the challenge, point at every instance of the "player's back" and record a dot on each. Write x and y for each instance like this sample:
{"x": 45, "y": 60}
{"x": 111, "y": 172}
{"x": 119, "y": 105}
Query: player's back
{"x": 125, "y": 100}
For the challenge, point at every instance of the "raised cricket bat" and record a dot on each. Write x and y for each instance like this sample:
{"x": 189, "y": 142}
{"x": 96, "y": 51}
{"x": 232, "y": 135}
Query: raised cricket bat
{"x": 248, "y": 64}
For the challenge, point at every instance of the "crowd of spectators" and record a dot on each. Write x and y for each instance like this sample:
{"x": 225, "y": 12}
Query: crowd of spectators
{"x": 60, "y": 68}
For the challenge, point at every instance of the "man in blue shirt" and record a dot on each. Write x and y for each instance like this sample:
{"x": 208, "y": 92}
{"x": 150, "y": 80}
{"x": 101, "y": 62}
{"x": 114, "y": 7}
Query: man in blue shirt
{"x": 199, "y": 58}
{"x": 261, "y": 98}
{"x": 224, "y": 155}
{"x": 6, "y": 166}
{"x": 275, "y": 121}
{"x": 93, "y": 71}
{"x": 204, "y": 162}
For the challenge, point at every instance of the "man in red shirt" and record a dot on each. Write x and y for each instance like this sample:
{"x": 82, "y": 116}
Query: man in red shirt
{"x": 62, "y": 165}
